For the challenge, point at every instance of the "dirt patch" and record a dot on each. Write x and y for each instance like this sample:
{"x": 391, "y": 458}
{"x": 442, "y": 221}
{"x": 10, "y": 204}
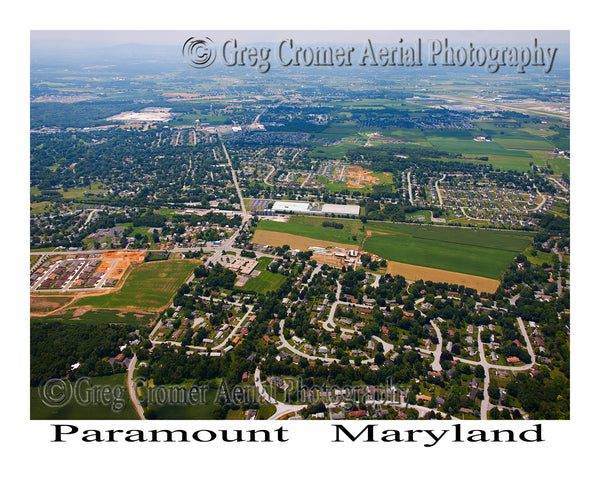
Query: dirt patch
{"x": 43, "y": 305}
{"x": 358, "y": 177}
{"x": 415, "y": 272}
{"x": 327, "y": 259}
{"x": 278, "y": 239}
{"x": 371, "y": 232}
{"x": 80, "y": 311}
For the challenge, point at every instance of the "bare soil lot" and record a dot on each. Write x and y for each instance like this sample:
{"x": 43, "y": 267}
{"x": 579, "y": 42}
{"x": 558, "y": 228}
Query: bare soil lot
{"x": 278, "y": 239}
{"x": 414, "y": 272}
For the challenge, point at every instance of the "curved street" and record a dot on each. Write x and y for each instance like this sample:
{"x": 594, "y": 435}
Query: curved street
{"x": 131, "y": 388}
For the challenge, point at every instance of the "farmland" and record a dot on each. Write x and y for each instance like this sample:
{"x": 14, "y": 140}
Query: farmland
{"x": 414, "y": 272}
{"x": 313, "y": 228}
{"x": 440, "y": 254}
{"x": 478, "y": 252}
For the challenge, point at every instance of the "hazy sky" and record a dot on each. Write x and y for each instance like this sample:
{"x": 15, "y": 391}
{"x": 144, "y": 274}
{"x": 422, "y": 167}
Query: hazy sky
{"x": 83, "y": 38}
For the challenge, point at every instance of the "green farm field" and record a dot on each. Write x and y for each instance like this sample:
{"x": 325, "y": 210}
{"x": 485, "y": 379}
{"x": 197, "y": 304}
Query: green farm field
{"x": 312, "y": 227}
{"x": 335, "y": 152}
{"x": 484, "y": 253}
{"x": 454, "y": 257}
{"x": 469, "y": 146}
{"x": 480, "y": 252}
{"x": 149, "y": 286}
{"x": 497, "y": 239}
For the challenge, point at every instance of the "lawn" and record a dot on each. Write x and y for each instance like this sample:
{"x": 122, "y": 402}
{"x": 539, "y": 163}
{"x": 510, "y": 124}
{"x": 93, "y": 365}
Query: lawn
{"x": 265, "y": 282}
{"x": 263, "y": 263}
{"x": 150, "y": 286}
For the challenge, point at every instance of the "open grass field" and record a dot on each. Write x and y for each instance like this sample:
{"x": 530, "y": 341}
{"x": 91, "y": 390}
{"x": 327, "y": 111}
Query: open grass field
{"x": 89, "y": 409}
{"x": 335, "y": 152}
{"x": 339, "y": 130}
{"x": 313, "y": 227}
{"x": 265, "y": 282}
{"x": 468, "y": 146}
{"x": 263, "y": 263}
{"x": 101, "y": 316}
{"x": 149, "y": 286}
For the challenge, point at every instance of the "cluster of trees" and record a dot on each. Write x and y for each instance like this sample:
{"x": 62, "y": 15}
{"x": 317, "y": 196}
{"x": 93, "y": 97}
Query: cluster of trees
{"x": 554, "y": 224}
{"x": 171, "y": 365}
{"x": 329, "y": 223}
{"x": 55, "y": 346}
{"x": 542, "y": 396}
{"x": 368, "y": 262}
{"x": 211, "y": 218}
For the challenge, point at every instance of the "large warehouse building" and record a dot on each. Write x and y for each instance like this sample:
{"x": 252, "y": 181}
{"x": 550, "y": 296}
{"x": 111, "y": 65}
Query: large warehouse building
{"x": 315, "y": 209}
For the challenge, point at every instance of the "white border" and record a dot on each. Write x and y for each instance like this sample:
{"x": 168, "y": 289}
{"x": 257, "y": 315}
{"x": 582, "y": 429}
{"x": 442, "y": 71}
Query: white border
{"x": 310, "y": 454}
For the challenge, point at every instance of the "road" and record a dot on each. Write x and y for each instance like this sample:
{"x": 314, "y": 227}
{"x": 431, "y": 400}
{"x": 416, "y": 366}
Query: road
{"x": 306, "y": 180}
{"x": 544, "y": 198}
{"x": 89, "y": 218}
{"x": 266, "y": 180}
{"x": 410, "y": 197}
{"x": 436, "y": 365}
{"x": 562, "y": 187}
{"x": 559, "y": 287}
{"x": 131, "y": 387}
{"x": 235, "y": 329}
{"x": 281, "y": 408}
{"x": 437, "y": 189}
{"x": 245, "y": 216}
{"x": 40, "y": 260}
{"x": 286, "y": 344}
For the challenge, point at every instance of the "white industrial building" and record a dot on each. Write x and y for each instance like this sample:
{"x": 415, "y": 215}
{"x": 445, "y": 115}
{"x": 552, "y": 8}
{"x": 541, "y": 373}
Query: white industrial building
{"x": 340, "y": 209}
{"x": 315, "y": 209}
{"x": 294, "y": 207}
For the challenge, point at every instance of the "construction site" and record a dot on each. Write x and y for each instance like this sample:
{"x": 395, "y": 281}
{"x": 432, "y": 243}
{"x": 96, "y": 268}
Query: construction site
{"x": 82, "y": 271}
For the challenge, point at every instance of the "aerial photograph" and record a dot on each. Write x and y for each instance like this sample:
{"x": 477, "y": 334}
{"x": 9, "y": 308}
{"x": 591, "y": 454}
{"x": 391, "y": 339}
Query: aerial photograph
{"x": 299, "y": 225}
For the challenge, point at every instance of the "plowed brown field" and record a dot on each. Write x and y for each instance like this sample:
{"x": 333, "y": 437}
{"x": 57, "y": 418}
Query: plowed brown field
{"x": 278, "y": 239}
{"x": 414, "y": 272}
